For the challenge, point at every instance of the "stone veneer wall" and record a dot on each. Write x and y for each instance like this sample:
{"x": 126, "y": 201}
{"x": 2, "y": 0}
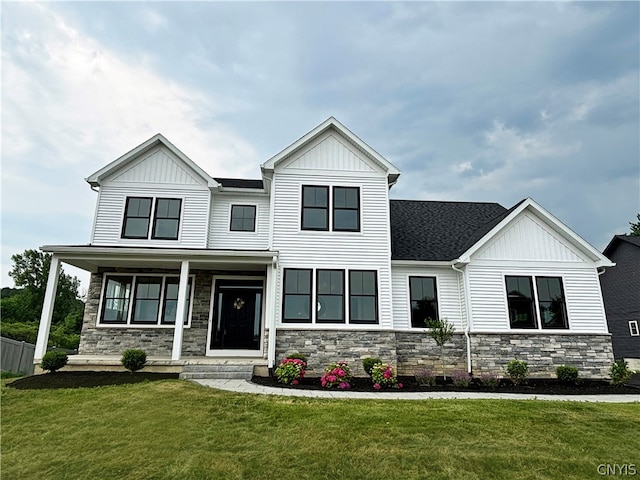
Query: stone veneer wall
{"x": 154, "y": 341}
{"x": 410, "y": 351}
{"x": 592, "y": 355}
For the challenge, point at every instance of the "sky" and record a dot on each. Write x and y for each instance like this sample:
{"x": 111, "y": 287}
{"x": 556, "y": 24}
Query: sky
{"x": 478, "y": 101}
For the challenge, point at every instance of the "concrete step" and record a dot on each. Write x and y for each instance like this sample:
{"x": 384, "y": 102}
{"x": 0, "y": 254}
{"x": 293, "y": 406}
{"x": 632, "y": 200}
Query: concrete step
{"x": 242, "y": 371}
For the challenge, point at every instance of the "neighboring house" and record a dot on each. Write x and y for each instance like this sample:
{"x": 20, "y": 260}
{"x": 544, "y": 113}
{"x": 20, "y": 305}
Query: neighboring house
{"x": 621, "y": 293}
{"x": 315, "y": 258}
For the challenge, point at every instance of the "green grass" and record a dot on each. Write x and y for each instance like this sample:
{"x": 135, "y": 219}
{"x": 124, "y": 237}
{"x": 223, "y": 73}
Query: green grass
{"x": 178, "y": 430}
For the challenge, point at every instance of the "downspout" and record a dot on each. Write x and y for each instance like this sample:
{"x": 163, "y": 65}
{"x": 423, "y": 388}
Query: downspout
{"x": 468, "y": 313}
{"x": 271, "y": 343}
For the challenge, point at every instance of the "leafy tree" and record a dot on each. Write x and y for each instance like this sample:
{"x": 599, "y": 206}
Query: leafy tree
{"x": 635, "y": 227}
{"x": 441, "y": 330}
{"x": 23, "y": 305}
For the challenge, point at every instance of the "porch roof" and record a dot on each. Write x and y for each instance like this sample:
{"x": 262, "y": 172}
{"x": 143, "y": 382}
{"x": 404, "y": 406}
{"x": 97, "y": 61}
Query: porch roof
{"x": 91, "y": 257}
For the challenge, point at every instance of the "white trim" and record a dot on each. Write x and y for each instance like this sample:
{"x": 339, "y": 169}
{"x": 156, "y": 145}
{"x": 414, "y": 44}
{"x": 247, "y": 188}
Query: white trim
{"x": 633, "y": 328}
{"x": 528, "y": 331}
{"x": 47, "y": 309}
{"x": 183, "y": 282}
{"x": 210, "y": 352}
{"x": 133, "y": 276}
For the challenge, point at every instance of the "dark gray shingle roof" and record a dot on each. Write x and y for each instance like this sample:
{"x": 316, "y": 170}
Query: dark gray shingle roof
{"x": 240, "y": 183}
{"x": 439, "y": 231}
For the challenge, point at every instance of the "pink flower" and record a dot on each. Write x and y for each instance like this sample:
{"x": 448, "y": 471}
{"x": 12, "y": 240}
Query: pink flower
{"x": 399, "y": 385}
{"x": 343, "y": 385}
{"x": 331, "y": 378}
{"x": 295, "y": 382}
{"x": 376, "y": 386}
{"x": 386, "y": 374}
{"x": 324, "y": 382}
{"x": 340, "y": 372}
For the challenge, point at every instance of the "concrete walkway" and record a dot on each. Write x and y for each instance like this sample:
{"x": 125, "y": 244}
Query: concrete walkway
{"x": 245, "y": 386}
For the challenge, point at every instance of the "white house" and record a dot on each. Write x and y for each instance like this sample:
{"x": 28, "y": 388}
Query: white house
{"x": 315, "y": 258}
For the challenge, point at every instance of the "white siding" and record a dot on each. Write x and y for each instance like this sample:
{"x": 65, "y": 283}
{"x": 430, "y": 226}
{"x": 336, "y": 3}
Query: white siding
{"x": 110, "y": 214}
{"x": 159, "y": 165}
{"x": 368, "y": 249}
{"x": 528, "y": 238}
{"x": 448, "y": 291}
{"x": 220, "y": 235}
{"x": 581, "y": 287}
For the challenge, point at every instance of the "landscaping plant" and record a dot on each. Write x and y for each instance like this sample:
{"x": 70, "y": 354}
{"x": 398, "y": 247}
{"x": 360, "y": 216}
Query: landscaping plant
{"x": 291, "y": 369}
{"x": 461, "y": 378}
{"x": 441, "y": 330}
{"x": 384, "y": 375}
{"x": 53, "y": 361}
{"x": 336, "y": 375}
{"x": 489, "y": 380}
{"x": 424, "y": 376}
{"x": 620, "y": 372}
{"x": 368, "y": 364}
{"x": 133, "y": 359}
{"x": 567, "y": 374}
{"x": 518, "y": 371}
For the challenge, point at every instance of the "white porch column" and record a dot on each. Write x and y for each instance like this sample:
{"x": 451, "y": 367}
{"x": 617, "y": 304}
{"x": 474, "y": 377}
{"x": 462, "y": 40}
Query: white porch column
{"x": 180, "y": 313}
{"x": 272, "y": 275}
{"x": 47, "y": 310}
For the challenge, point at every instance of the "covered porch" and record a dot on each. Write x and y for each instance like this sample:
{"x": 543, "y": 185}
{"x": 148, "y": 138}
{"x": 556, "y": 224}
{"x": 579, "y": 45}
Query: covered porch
{"x": 183, "y": 307}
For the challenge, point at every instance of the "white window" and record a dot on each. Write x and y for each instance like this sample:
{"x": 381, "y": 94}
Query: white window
{"x": 633, "y": 328}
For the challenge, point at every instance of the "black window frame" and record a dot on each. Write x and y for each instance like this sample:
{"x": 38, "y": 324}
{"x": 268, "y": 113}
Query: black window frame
{"x": 130, "y": 301}
{"x": 297, "y": 293}
{"x": 235, "y": 207}
{"x": 314, "y": 207}
{"x": 373, "y": 295}
{"x": 433, "y": 303}
{"x": 163, "y": 310}
{"x": 560, "y": 307}
{"x": 331, "y": 293}
{"x": 156, "y": 217}
{"x": 126, "y": 217}
{"x": 138, "y": 299}
{"x": 536, "y": 307}
{"x": 345, "y": 208}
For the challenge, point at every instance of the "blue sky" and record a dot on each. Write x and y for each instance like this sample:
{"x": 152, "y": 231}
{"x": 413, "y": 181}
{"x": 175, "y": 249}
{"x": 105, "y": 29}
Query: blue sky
{"x": 472, "y": 101}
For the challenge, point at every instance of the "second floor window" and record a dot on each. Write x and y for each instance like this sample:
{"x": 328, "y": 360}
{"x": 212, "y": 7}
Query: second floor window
{"x": 243, "y": 218}
{"x": 138, "y": 212}
{"x": 343, "y": 202}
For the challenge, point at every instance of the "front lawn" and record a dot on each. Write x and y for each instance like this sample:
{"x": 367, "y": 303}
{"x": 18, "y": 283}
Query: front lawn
{"x": 174, "y": 429}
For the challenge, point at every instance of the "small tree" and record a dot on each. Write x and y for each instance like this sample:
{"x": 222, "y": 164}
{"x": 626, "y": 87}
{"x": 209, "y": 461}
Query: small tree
{"x": 441, "y": 330}
{"x": 634, "y": 229}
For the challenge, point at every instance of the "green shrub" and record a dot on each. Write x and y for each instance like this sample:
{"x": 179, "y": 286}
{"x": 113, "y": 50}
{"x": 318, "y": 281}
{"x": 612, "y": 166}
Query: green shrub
{"x": 291, "y": 370}
{"x": 384, "y": 375}
{"x": 368, "y": 364}
{"x": 518, "y": 371}
{"x": 53, "y": 361}
{"x": 424, "y": 376}
{"x": 619, "y": 372}
{"x": 298, "y": 356}
{"x": 489, "y": 380}
{"x": 567, "y": 374}
{"x": 133, "y": 359}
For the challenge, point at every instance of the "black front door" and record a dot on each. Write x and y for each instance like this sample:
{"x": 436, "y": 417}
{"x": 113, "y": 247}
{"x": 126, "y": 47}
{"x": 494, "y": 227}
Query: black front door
{"x": 237, "y": 314}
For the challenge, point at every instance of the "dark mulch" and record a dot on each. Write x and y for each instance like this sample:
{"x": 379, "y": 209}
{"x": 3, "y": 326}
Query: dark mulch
{"x": 86, "y": 379}
{"x": 533, "y": 386}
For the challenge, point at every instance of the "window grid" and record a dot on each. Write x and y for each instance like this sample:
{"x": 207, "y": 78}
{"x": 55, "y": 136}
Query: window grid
{"x": 330, "y": 296}
{"x": 137, "y": 215}
{"x": 296, "y": 303}
{"x": 166, "y": 221}
{"x": 363, "y": 296}
{"x": 423, "y": 300}
{"x": 542, "y": 307}
{"x": 346, "y": 209}
{"x": 633, "y": 328}
{"x": 131, "y": 297}
{"x": 315, "y": 207}
{"x": 243, "y": 218}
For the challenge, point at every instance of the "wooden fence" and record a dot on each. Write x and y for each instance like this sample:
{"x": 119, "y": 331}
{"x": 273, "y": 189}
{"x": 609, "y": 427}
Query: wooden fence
{"x": 17, "y": 357}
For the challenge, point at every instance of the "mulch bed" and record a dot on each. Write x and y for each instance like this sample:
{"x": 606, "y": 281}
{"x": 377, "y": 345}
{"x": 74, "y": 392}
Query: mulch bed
{"x": 533, "y": 386}
{"x": 86, "y": 379}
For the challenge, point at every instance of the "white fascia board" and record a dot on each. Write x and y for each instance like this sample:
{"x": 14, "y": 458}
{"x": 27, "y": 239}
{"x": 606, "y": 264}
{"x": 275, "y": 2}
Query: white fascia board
{"x": 160, "y": 254}
{"x": 420, "y": 263}
{"x": 392, "y": 171}
{"x": 96, "y": 178}
{"x": 598, "y": 258}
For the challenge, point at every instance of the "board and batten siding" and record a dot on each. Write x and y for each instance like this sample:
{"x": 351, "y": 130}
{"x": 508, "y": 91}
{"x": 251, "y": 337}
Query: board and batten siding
{"x": 110, "y": 214}
{"x": 220, "y": 234}
{"x": 450, "y": 304}
{"x": 368, "y": 249}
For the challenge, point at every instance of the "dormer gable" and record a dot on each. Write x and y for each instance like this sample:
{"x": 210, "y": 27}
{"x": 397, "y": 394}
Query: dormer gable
{"x": 330, "y": 147}
{"x": 155, "y": 161}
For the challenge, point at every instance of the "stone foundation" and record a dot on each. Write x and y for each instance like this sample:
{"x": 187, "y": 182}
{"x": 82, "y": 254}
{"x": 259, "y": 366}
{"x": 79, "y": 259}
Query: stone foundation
{"x": 411, "y": 351}
{"x": 592, "y": 355}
